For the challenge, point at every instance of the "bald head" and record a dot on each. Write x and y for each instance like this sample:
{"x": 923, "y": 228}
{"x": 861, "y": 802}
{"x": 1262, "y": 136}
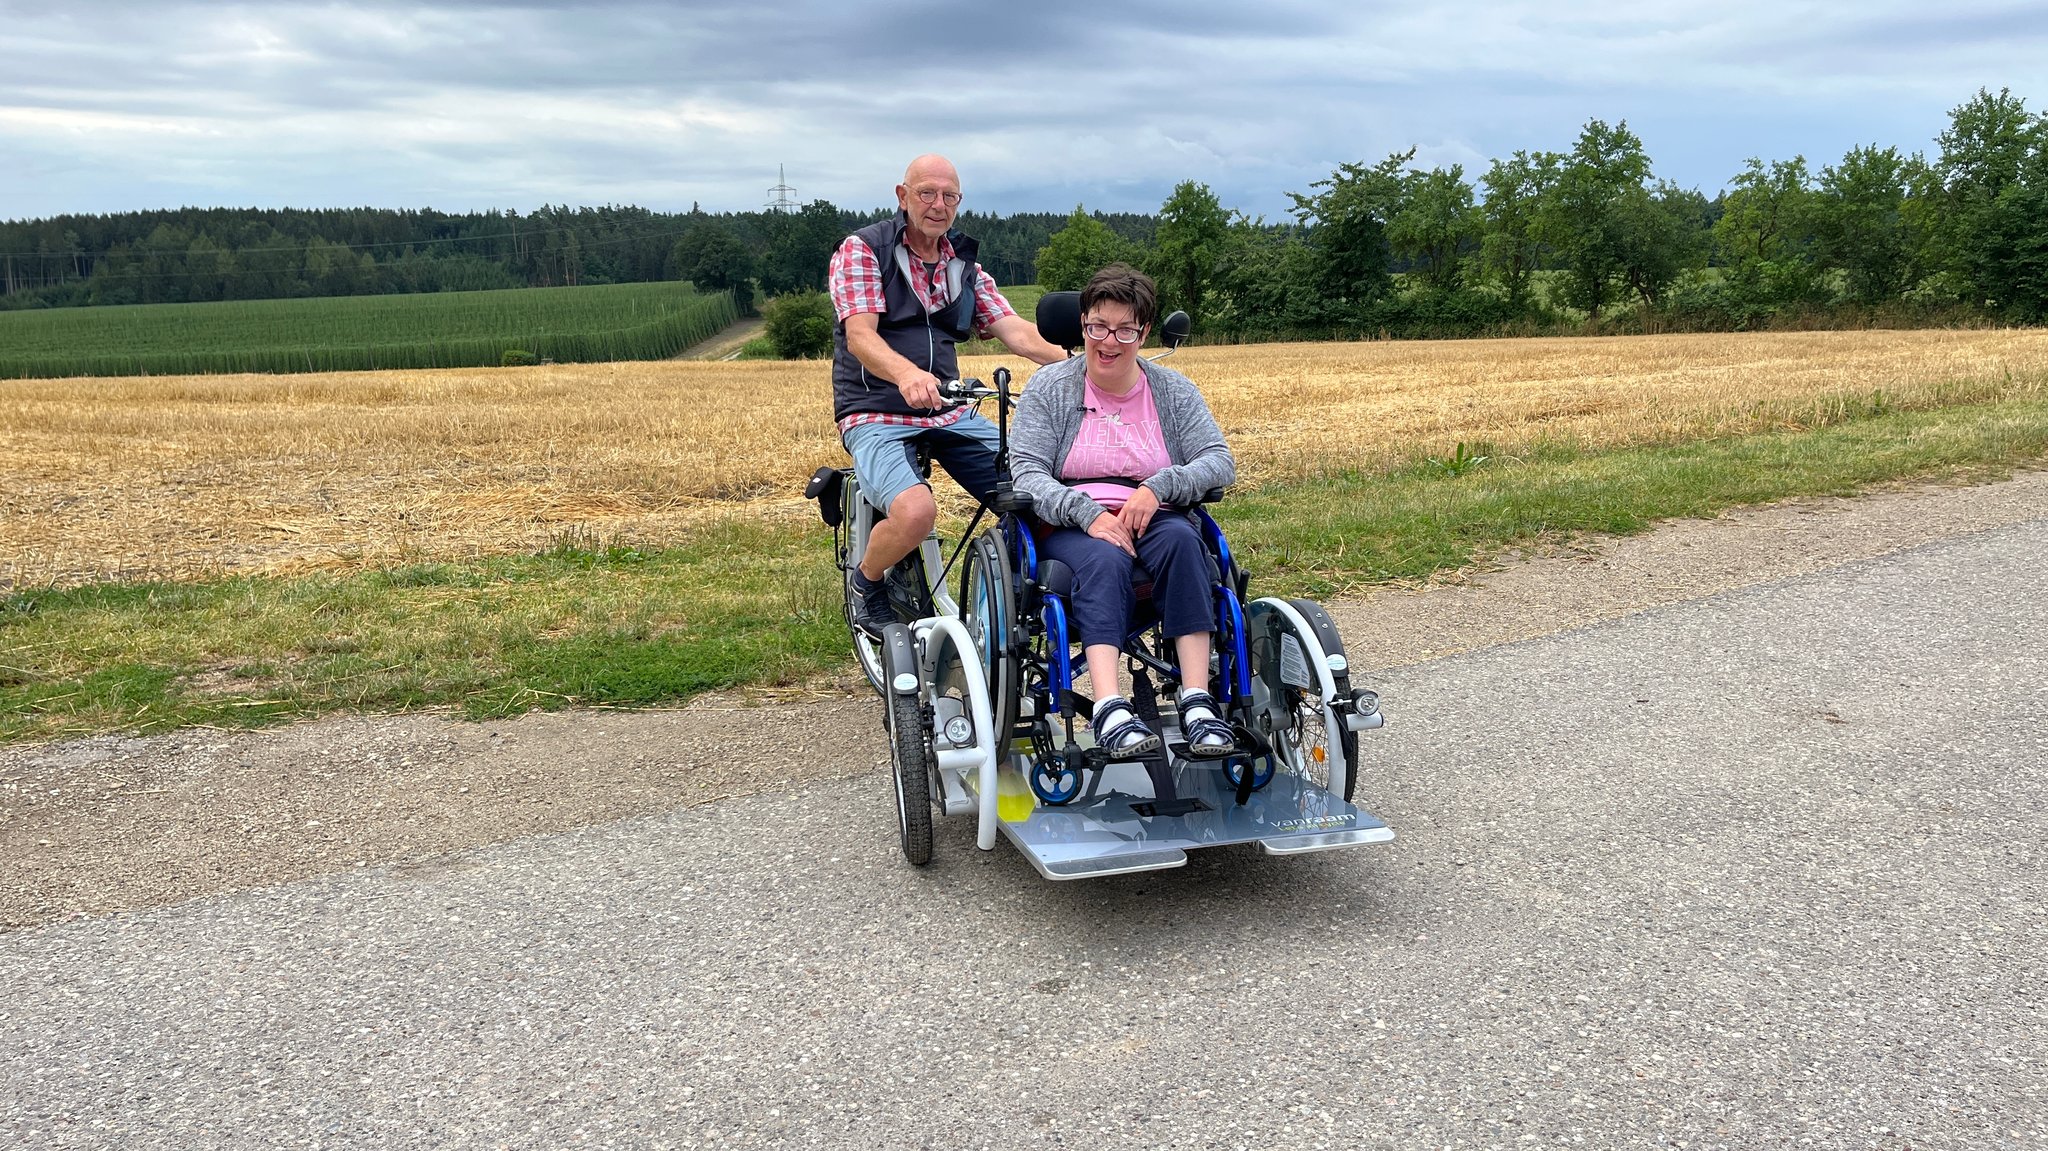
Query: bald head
{"x": 931, "y": 166}
{"x": 930, "y": 198}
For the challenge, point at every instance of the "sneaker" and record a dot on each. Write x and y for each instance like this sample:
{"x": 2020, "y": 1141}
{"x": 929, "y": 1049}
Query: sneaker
{"x": 872, "y": 610}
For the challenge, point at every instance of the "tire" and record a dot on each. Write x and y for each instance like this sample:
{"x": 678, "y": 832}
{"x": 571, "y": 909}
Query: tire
{"x": 908, "y": 575}
{"x": 988, "y": 608}
{"x": 1295, "y": 719}
{"x": 866, "y": 652}
{"x": 910, "y": 752}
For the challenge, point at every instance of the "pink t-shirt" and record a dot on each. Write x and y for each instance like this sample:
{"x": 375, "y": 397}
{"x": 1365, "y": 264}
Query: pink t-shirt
{"x": 1120, "y": 436}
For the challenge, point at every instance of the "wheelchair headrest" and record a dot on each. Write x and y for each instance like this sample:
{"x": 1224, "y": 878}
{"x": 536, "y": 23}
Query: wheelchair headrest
{"x": 1174, "y": 328}
{"x": 1059, "y": 321}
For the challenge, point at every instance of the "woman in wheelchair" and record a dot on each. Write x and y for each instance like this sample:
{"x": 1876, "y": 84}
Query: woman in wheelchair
{"x": 1113, "y": 449}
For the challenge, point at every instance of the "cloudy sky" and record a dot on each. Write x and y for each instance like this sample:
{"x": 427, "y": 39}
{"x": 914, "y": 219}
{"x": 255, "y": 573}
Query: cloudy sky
{"x": 109, "y": 106}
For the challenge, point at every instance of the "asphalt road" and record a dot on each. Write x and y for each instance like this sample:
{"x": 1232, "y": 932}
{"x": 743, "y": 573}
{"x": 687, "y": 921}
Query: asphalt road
{"x": 1763, "y": 869}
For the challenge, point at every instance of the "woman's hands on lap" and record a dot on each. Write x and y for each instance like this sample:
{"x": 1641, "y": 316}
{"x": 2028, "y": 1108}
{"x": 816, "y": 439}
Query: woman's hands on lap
{"x": 1137, "y": 511}
{"x": 1108, "y": 526}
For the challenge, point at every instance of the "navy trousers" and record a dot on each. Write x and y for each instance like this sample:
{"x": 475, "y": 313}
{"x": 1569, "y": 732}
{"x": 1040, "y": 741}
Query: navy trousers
{"x": 1100, "y": 609}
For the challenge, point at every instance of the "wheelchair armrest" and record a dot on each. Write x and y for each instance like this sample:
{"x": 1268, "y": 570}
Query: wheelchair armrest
{"x": 1213, "y": 495}
{"x": 1009, "y": 499}
{"x": 1056, "y": 578}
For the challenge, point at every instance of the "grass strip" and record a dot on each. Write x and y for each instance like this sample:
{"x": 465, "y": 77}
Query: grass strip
{"x": 752, "y": 604}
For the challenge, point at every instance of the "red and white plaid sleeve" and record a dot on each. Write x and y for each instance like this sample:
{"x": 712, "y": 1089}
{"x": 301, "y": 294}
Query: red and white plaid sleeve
{"x": 989, "y": 304}
{"x": 855, "y": 279}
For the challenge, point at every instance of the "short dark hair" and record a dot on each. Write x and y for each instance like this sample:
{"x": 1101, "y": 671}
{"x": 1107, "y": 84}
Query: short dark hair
{"x": 1123, "y": 284}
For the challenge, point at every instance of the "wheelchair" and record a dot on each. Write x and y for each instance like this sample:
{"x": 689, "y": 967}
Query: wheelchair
{"x": 984, "y": 718}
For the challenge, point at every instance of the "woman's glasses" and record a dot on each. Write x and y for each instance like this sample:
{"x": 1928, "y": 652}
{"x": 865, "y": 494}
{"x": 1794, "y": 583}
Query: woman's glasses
{"x": 1102, "y": 332}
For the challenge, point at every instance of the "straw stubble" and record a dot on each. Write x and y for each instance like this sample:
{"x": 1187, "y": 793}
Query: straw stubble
{"x": 176, "y": 477}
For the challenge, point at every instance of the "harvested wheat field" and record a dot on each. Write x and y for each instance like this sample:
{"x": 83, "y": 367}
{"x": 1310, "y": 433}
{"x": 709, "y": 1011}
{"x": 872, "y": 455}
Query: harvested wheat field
{"x": 180, "y": 477}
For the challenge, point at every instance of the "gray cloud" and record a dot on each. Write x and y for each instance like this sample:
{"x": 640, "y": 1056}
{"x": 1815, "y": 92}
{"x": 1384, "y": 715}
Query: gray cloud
{"x": 108, "y": 106}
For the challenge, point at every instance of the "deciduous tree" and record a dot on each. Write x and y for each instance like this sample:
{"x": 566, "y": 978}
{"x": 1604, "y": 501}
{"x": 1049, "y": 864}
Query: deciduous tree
{"x": 1193, "y": 230}
{"x": 1515, "y": 190}
{"x": 1345, "y": 222}
{"x": 1433, "y": 222}
{"x": 1078, "y": 251}
{"x": 1585, "y": 217}
{"x": 715, "y": 260}
{"x": 1859, "y": 222}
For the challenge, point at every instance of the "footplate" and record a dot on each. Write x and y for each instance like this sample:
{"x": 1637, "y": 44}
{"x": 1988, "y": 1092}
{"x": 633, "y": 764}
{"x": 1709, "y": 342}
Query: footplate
{"x": 1120, "y": 824}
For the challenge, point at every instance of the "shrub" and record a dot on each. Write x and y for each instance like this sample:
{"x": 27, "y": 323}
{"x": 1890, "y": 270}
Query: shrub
{"x": 800, "y": 325}
{"x": 518, "y": 358}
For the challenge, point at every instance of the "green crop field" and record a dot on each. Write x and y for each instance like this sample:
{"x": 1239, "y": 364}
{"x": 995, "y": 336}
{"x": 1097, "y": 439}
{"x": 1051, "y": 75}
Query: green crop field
{"x": 351, "y": 333}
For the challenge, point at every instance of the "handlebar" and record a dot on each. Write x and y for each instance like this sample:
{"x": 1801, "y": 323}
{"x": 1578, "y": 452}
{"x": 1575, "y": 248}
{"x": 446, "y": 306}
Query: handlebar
{"x": 971, "y": 389}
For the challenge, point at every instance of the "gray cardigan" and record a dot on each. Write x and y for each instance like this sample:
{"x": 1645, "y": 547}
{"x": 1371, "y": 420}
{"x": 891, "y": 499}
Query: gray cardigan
{"x": 1048, "y": 418}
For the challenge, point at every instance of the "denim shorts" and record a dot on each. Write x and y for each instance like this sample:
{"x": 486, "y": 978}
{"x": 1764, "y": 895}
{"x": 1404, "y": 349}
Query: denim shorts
{"x": 885, "y": 456}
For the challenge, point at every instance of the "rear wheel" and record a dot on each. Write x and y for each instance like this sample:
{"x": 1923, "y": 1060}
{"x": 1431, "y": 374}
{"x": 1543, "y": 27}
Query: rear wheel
{"x": 866, "y": 651}
{"x": 907, "y": 595}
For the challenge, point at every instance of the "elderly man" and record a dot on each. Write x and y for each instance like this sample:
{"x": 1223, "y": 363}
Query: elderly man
{"x": 906, "y": 290}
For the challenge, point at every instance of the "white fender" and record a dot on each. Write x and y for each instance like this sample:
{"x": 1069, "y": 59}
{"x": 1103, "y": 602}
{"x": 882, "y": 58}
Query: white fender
{"x": 1340, "y": 771}
{"x": 934, "y": 636}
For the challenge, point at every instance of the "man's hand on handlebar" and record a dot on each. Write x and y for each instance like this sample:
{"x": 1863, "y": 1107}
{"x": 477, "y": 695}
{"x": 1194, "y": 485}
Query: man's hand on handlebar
{"x": 921, "y": 390}
{"x": 962, "y": 391}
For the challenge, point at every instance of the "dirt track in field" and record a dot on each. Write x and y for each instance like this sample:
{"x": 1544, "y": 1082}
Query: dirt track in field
{"x": 112, "y": 823}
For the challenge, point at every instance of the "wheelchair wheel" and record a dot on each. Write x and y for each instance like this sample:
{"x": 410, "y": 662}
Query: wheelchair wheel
{"x": 1055, "y": 776}
{"x": 988, "y": 604}
{"x": 1288, "y": 707}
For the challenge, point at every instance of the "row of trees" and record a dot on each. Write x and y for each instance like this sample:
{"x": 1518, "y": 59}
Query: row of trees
{"x": 194, "y": 254}
{"x": 1562, "y": 238}
{"x": 1540, "y": 240}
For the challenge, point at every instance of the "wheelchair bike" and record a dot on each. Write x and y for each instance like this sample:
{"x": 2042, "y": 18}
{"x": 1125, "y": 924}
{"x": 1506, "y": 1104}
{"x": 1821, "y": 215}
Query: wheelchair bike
{"x": 984, "y": 718}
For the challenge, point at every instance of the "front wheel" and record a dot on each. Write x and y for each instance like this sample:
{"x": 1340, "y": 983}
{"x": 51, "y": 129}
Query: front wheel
{"x": 910, "y": 750}
{"x": 1308, "y": 738}
{"x": 910, "y": 746}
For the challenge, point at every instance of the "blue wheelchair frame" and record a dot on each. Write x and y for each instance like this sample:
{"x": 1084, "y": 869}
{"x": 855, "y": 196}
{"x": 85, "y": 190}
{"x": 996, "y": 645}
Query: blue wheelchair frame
{"x": 1232, "y": 685}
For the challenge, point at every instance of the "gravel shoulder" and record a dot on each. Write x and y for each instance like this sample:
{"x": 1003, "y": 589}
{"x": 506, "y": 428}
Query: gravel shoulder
{"x": 117, "y": 823}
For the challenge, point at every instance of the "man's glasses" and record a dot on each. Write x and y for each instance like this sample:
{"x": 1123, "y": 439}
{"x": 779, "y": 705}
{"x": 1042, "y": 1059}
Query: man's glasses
{"x": 932, "y": 196}
{"x": 1102, "y": 332}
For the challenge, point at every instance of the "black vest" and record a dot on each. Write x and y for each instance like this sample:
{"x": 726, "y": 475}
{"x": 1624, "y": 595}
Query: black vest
{"x": 924, "y": 338}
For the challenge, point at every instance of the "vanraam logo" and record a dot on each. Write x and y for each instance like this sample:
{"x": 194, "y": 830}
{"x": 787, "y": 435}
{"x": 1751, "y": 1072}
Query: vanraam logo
{"x": 1316, "y": 821}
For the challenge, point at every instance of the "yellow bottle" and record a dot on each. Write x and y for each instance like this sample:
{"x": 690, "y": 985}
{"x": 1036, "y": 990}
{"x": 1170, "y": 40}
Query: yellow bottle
{"x": 1014, "y": 801}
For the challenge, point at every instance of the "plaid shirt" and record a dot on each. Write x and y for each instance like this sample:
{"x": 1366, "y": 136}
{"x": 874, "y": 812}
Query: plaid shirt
{"x": 855, "y": 281}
